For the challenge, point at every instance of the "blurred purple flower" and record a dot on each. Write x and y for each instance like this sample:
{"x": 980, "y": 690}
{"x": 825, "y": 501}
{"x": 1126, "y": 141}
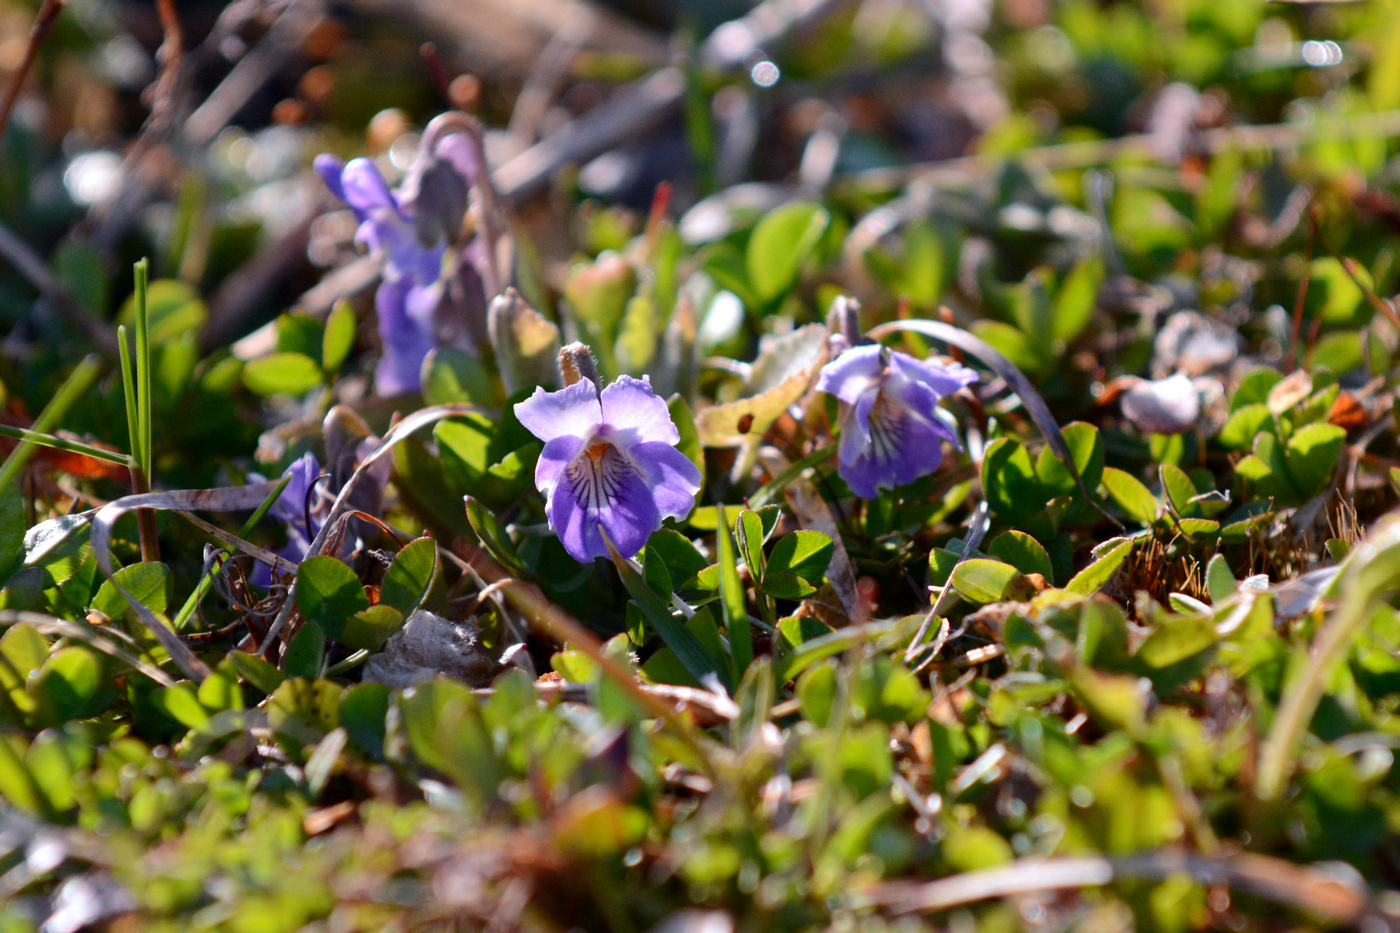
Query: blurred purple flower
{"x": 300, "y": 517}
{"x": 891, "y": 434}
{"x": 609, "y": 463}
{"x": 425, "y": 285}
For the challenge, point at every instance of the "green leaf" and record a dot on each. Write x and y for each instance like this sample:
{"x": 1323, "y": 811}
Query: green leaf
{"x": 1312, "y": 455}
{"x": 1112, "y": 553}
{"x": 780, "y": 244}
{"x": 453, "y": 377}
{"x": 304, "y": 710}
{"x": 681, "y": 558}
{"x": 282, "y": 374}
{"x": 805, "y": 554}
{"x": 339, "y": 338}
{"x": 1220, "y": 582}
{"x": 1244, "y": 424}
{"x": 1130, "y": 495}
{"x": 329, "y": 593}
{"x": 69, "y": 684}
{"x": 786, "y": 585}
{"x": 173, "y": 309}
{"x": 1102, "y": 640}
{"x": 370, "y": 629}
{"x": 1255, "y": 387}
{"x": 409, "y": 578}
{"x": 1178, "y": 488}
{"x": 748, "y": 531}
{"x": 1023, "y": 552}
{"x": 150, "y": 584}
{"x": 731, "y": 595}
{"x": 1076, "y": 300}
{"x": 16, "y": 783}
{"x": 12, "y": 529}
{"x": 260, "y": 673}
{"x": 1086, "y": 448}
{"x": 692, "y": 655}
{"x": 492, "y": 536}
{"x": 362, "y": 711}
{"x": 181, "y": 704}
{"x": 305, "y": 651}
{"x": 984, "y": 581}
{"x": 1009, "y": 480}
{"x": 1198, "y": 527}
{"x": 1176, "y": 640}
{"x": 464, "y": 444}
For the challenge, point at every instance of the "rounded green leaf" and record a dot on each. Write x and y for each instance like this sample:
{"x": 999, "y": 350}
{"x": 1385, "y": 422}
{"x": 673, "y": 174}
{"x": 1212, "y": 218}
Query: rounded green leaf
{"x": 780, "y": 244}
{"x": 369, "y": 630}
{"x": 362, "y": 711}
{"x": 1130, "y": 495}
{"x": 1023, "y": 552}
{"x": 984, "y": 581}
{"x": 339, "y": 338}
{"x": 329, "y": 593}
{"x": 804, "y": 554}
{"x": 282, "y": 374}
{"x": 410, "y": 576}
{"x": 1092, "y": 578}
{"x": 68, "y": 684}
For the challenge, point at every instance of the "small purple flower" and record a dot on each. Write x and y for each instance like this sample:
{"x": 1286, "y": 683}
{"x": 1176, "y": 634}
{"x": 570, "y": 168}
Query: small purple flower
{"x": 609, "y": 464}
{"x": 891, "y": 434}
{"x": 412, "y": 229}
{"x": 294, "y": 511}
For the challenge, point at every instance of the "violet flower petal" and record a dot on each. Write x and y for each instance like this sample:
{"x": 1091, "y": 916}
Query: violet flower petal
{"x": 364, "y": 187}
{"x": 635, "y": 414}
{"x": 574, "y": 410}
{"x": 673, "y": 479}
{"x": 606, "y": 493}
{"x": 852, "y": 374}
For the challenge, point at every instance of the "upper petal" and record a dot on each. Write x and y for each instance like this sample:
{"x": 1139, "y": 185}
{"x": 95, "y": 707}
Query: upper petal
{"x": 852, "y": 374}
{"x": 635, "y": 414}
{"x": 574, "y": 410}
{"x": 943, "y": 378}
{"x": 364, "y": 188}
{"x": 291, "y": 504}
{"x": 330, "y": 169}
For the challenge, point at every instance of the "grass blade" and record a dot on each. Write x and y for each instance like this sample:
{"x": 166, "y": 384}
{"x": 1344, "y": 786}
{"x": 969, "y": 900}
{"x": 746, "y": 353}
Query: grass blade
{"x": 63, "y": 443}
{"x": 72, "y": 389}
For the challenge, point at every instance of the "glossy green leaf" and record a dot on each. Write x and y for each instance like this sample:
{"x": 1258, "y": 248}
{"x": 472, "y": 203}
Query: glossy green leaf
{"x": 409, "y": 578}
{"x": 984, "y": 581}
{"x": 1112, "y": 553}
{"x": 1130, "y": 495}
{"x": 731, "y": 597}
{"x": 780, "y": 244}
{"x": 1023, "y": 552}
{"x": 339, "y": 337}
{"x": 305, "y": 652}
{"x": 329, "y": 593}
{"x": 282, "y": 374}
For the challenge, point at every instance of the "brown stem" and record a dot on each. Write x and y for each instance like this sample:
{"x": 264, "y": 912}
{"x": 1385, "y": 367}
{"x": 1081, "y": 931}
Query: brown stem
{"x": 43, "y": 25}
{"x": 145, "y": 518}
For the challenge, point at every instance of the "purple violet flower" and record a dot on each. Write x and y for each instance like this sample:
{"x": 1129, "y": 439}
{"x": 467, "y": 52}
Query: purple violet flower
{"x": 891, "y": 434}
{"x": 411, "y": 229}
{"x": 609, "y": 464}
{"x": 293, "y": 511}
